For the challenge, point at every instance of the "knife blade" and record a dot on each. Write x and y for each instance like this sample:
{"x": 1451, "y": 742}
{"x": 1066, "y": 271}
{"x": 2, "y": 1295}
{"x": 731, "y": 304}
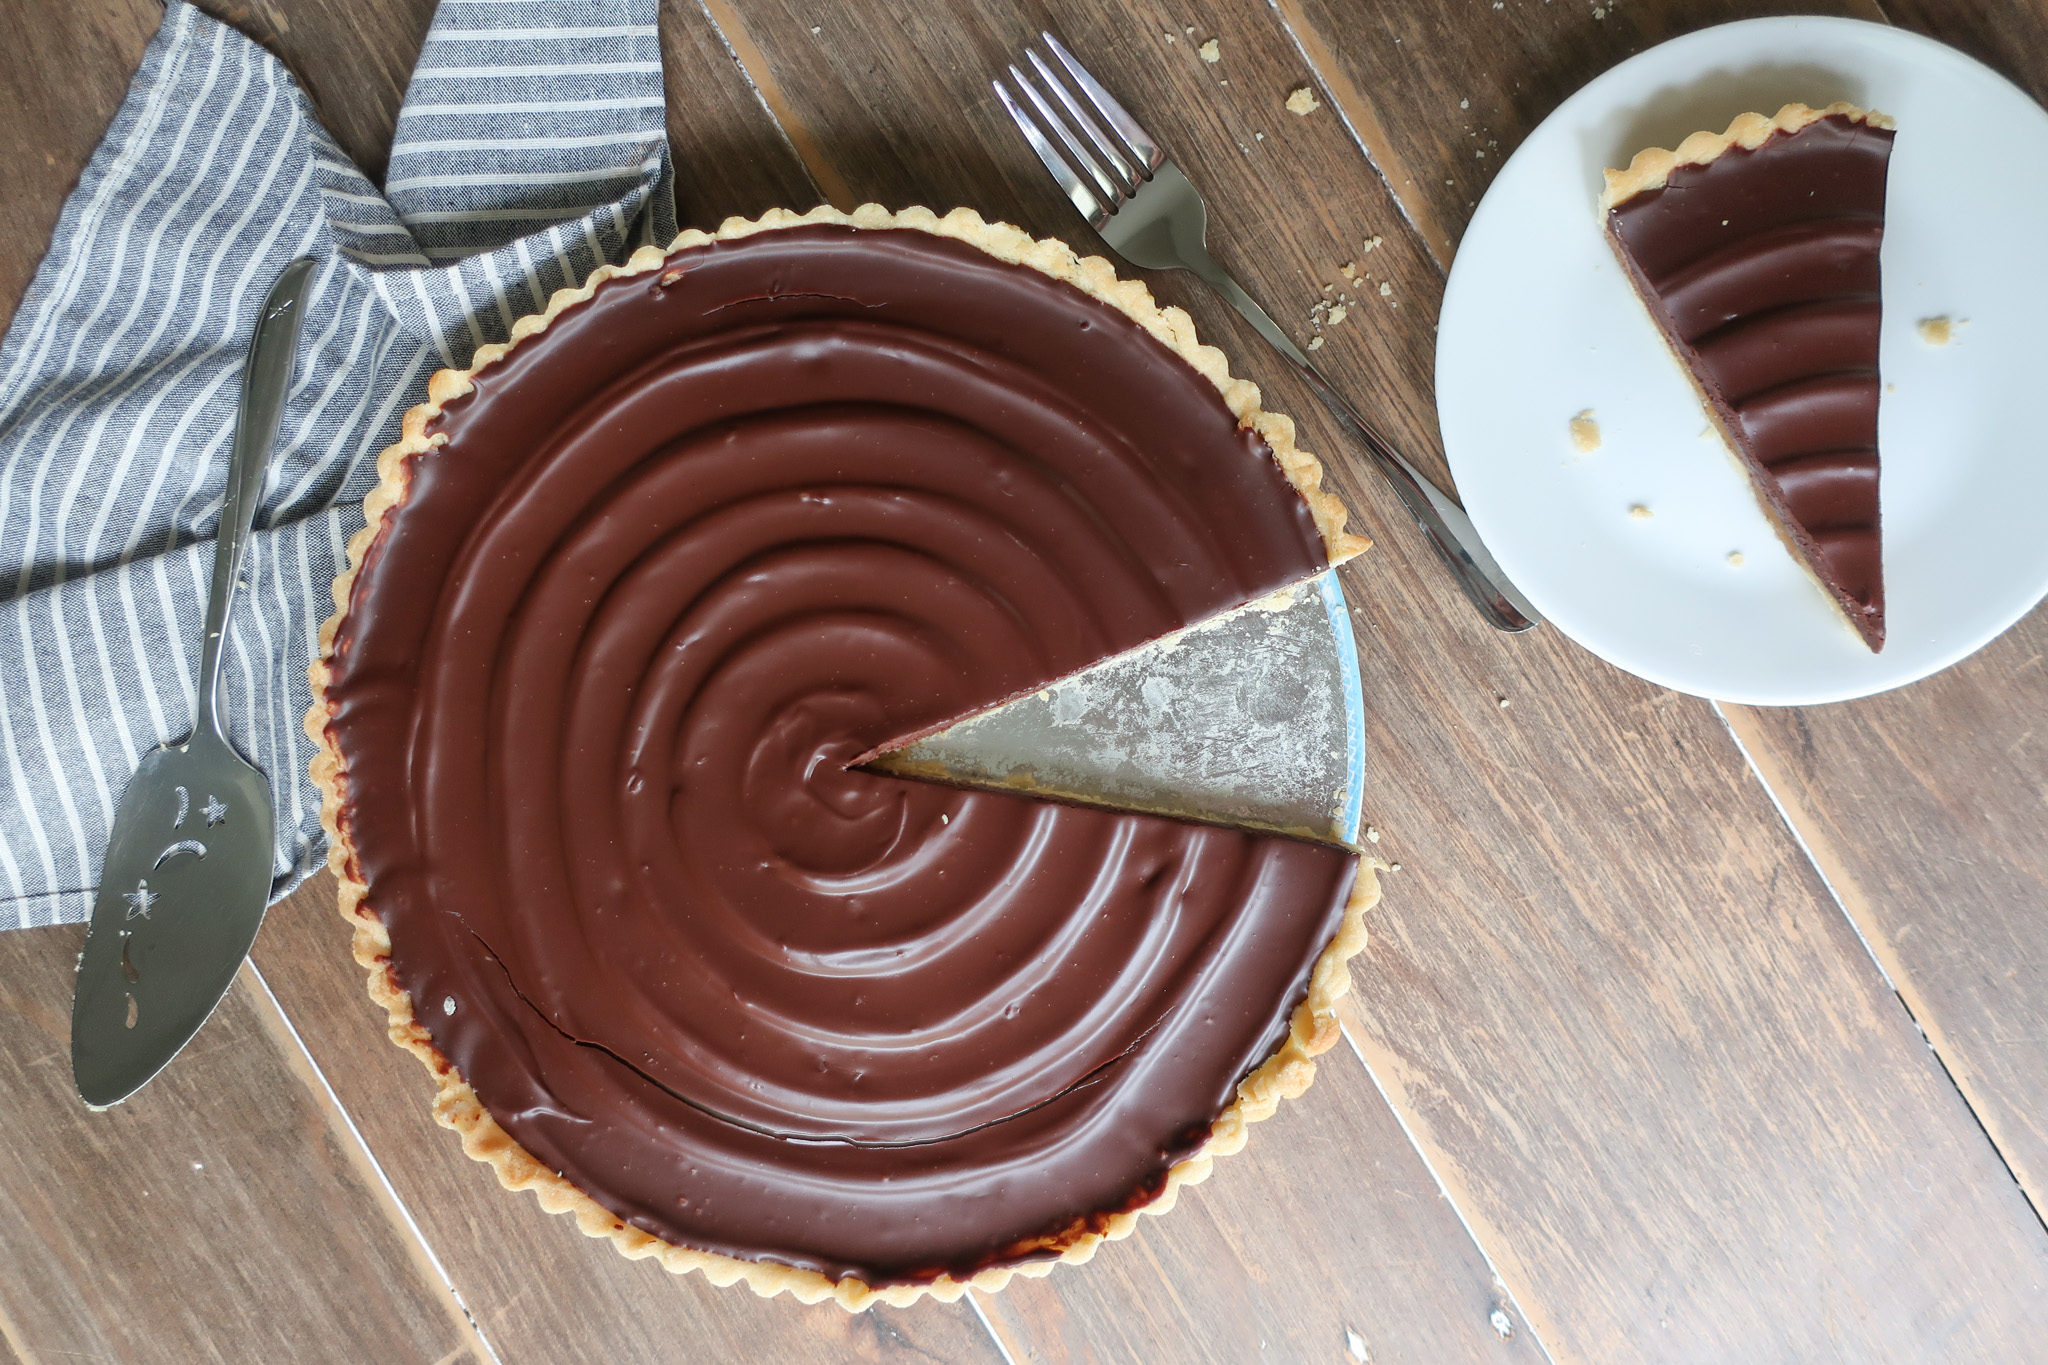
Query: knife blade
{"x": 188, "y": 868}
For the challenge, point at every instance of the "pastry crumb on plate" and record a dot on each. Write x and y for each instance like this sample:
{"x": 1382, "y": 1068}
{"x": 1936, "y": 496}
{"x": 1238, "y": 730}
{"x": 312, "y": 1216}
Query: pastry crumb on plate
{"x": 1585, "y": 429}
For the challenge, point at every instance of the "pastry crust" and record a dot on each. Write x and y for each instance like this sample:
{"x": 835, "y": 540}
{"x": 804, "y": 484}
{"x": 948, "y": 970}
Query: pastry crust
{"x": 1653, "y": 165}
{"x": 1286, "y": 1074}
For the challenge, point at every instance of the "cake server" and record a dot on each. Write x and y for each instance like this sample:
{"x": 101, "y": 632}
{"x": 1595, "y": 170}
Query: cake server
{"x": 188, "y": 867}
{"x": 1144, "y": 207}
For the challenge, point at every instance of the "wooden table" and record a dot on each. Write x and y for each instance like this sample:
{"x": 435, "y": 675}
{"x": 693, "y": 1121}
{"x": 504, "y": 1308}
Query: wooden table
{"x": 1687, "y": 1032}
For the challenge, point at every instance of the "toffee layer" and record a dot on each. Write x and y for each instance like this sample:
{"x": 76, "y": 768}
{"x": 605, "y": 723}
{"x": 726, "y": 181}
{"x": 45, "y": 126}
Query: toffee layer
{"x": 681, "y": 559}
{"x": 1761, "y": 266}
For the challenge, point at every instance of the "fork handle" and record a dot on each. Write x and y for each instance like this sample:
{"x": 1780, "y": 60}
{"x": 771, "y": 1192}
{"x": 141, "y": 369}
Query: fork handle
{"x": 1449, "y": 529}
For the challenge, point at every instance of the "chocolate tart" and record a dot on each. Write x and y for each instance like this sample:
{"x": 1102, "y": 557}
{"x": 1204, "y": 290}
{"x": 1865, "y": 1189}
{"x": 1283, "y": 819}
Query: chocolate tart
{"x": 1756, "y": 252}
{"x": 634, "y": 591}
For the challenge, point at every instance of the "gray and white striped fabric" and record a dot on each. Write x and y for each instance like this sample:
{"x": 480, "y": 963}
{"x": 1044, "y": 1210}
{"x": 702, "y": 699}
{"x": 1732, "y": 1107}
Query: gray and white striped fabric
{"x": 530, "y": 149}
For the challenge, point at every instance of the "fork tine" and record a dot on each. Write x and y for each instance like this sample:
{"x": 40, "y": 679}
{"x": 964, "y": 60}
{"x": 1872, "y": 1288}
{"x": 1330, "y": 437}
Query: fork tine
{"x": 1113, "y": 194}
{"x": 1105, "y": 144}
{"x": 1090, "y": 207}
{"x": 1117, "y": 116}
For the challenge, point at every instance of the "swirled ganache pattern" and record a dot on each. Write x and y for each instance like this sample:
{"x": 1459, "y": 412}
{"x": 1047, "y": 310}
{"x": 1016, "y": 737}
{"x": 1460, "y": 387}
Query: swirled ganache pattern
{"x": 685, "y": 555}
{"x": 1761, "y": 265}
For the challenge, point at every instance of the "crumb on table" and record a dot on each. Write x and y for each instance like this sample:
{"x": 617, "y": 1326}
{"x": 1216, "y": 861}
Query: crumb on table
{"x": 1585, "y": 431}
{"x": 1640, "y": 512}
{"x": 1212, "y": 51}
{"x": 1303, "y": 101}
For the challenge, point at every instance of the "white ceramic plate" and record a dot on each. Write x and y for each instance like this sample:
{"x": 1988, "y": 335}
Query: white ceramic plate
{"x": 1539, "y": 323}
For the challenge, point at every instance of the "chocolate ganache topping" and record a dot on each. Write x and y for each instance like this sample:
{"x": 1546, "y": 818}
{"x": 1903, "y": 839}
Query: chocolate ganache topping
{"x": 680, "y": 559}
{"x": 1761, "y": 265}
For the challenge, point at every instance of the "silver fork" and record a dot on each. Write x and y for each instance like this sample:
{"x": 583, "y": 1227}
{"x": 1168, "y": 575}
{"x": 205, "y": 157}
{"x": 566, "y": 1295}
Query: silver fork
{"x": 1141, "y": 204}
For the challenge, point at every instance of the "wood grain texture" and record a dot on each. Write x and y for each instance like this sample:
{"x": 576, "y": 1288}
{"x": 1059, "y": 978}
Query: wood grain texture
{"x": 541, "y": 1292}
{"x": 1928, "y": 811}
{"x": 212, "y": 1217}
{"x": 1645, "y": 1052}
{"x": 1441, "y": 93}
{"x": 1733, "y": 1068}
{"x": 2010, "y": 36}
{"x": 1635, "y": 1035}
{"x": 1647, "y": 1056}
{"x": 1325, "y": 1226}
{"x": 1928, "y": 807}
{"x": 731, "y": 156}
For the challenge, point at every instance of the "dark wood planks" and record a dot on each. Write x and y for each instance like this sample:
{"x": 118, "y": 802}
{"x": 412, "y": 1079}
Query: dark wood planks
{"x": 216, "y": 1216}
{"x": 1627, "y": 1021}
{"x": 1646, "y": 1054}
{"x": 2008, "y": 35}
{"x": 1564, "y": 1005}
{"x": 1756, "y": 1007}
{"x": 541, "y": 1292}
{"x": 1323, "y": 1229}
{"x": 1923, "y": 807}
{"x": 1928, "y": 811}
{"x": 1441, "y": 93}
{"x": 732, "y": 157}
{"x": 1928, "y": 808}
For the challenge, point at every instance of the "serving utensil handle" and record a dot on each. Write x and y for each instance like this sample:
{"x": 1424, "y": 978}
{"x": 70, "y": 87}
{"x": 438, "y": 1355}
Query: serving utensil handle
{"x": 266, "y": 375}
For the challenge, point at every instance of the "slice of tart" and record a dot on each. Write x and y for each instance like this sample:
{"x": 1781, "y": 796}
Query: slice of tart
{"x": 1756, "y": 251}
{"x": 635, "y": 594}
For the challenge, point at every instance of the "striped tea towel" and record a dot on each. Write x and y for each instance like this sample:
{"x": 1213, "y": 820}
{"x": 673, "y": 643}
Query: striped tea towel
{"x": 529, "y": 150}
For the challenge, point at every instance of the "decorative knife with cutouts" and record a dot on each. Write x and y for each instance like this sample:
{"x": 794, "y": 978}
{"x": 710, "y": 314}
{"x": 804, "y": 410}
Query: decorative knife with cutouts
{"x": 188, "y": 868}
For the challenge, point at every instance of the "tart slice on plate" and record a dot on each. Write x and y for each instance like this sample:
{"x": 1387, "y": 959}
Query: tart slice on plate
{"x": 1756, "y": 252}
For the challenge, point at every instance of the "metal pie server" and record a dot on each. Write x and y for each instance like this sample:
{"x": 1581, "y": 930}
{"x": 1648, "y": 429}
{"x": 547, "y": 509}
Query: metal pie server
{"x": 188, "y": 868}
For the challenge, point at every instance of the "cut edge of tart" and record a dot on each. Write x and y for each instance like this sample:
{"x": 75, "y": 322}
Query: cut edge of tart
{"x": 1286, "y": 1074}
{"x": 1650, "y": 170}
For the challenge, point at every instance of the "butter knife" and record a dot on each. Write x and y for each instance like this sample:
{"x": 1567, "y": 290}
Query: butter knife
{"x": 188, "y": 867}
